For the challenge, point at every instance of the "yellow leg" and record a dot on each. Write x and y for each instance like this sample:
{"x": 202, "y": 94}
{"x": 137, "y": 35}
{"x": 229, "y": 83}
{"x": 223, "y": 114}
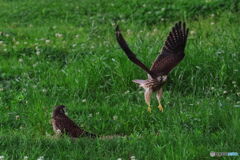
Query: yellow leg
{"x": 159, "y": 95}
{"x": 160, "y": 107}
{"x": 147, "y": 96}
{"x": 149, "y": 109}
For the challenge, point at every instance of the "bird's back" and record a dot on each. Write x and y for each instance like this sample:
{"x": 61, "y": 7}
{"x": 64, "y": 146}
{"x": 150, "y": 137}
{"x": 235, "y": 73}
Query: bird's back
{"x": 66, "y": 125}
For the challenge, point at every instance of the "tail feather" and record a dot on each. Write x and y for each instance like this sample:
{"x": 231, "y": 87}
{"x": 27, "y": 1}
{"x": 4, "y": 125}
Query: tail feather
{"x": 140, "y": 82}
{"x": 112, "y": 136}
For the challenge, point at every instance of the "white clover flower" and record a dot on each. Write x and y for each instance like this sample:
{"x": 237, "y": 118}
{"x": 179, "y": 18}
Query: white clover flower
{"x": 84, "y": 100}
{"x": 17, "y": 117}
{"x": 47, "y": 41}
{"x": 115, "y": 117}
{"x": 35, "y": 65}
{"x": 237, "y": 106}
{"x": 1, "y": 157}
{"x": 25, "y": 157}
{"x": 41, "y": 158}
{"x": 133, "y": 158}
{"x": 90, "y": 115}
{"x": 123, "y": 20}
{"x": 59, "y": 35}
{"x": 224, "y": 92}
{"x": 155, "y": 30}
{"x": 119, "y": 159}
{"x": 192, "y": 32}
{"x": 37, "y": 52}
{"x": 20, "y": 60}
{"x": 126, "y": 92}
{"x": 128, "y": 31}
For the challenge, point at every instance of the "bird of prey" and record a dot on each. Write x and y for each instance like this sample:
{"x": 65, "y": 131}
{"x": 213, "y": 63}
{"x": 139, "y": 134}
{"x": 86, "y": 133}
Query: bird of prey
{"x": 172, "y": 53}
{"x": 64, "y": 125}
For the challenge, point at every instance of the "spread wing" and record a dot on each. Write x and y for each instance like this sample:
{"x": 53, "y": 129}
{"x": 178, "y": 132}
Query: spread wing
{"x": 173, "y": 50}
{"x": 129, "y": 53}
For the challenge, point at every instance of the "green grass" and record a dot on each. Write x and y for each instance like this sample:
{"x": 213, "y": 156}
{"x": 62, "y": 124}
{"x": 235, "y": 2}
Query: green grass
{"x": 65, "y": 52}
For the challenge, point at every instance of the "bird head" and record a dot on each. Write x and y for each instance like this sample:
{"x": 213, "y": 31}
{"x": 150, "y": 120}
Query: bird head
{"x": 59, "y": 110}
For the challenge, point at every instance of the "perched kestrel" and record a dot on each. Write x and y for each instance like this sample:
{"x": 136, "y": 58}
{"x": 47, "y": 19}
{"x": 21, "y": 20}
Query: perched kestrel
{"x": 172, "y": 53}
{"x": 64, "y": 125}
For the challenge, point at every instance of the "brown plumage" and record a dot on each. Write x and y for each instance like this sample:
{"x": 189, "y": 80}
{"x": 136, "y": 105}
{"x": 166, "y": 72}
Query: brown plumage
{"x": 64, "y": 125}
{"x": 172, "y": 53}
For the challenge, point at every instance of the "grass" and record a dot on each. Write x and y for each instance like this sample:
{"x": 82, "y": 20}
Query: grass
{"x": 65, "y": 52}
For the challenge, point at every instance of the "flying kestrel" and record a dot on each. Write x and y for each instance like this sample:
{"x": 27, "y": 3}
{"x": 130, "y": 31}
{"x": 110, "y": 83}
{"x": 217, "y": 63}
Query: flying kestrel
{"x": 172, "y": 53}
{"x": 64, "y": 125}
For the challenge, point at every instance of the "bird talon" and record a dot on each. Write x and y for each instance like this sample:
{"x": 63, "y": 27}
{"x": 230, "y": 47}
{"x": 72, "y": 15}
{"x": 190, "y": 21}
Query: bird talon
{"x": 160, "y": 107}
{"x": 149, "y": 109}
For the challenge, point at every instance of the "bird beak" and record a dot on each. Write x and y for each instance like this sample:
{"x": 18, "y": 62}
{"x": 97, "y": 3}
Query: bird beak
{"x": 65, "y": 111}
